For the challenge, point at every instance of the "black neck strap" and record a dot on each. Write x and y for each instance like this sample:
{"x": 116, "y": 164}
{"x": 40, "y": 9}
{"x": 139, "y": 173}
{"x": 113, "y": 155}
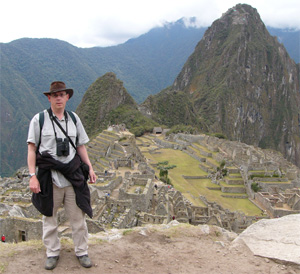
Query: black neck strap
{"x": 52, "y": 118}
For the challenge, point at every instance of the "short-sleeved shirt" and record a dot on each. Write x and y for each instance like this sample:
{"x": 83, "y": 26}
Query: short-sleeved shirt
{"x": 48, "y": 141}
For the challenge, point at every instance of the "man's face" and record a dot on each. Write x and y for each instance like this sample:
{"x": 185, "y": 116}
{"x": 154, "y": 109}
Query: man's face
{"x": 58, "y": 100}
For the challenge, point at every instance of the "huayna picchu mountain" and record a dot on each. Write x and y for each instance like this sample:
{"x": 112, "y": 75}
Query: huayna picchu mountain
{"x": 239, "y": 81}
{"x": 107, "y": 102}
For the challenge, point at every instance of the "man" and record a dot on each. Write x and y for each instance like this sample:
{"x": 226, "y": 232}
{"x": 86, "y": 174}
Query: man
{"x": 60, "y": 178}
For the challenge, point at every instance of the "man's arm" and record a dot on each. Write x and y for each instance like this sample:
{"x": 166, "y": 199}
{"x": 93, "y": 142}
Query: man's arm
{"x": 85, "y": 158}
{"x": 34, "y": 183}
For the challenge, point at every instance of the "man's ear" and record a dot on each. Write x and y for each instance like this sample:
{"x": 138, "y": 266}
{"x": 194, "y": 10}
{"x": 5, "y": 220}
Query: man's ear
{"x": 48, "y": 97}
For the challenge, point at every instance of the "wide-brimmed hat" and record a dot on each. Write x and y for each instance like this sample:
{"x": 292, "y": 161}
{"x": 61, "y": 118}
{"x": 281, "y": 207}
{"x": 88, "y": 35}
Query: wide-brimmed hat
{"x": 59, "y": 86}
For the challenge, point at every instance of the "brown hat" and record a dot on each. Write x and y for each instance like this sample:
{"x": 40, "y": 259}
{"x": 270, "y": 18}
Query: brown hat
{"x": 59, "y": 86}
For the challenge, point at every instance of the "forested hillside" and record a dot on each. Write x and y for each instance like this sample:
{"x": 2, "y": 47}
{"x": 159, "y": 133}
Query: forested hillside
{"x": 146, "y": 65}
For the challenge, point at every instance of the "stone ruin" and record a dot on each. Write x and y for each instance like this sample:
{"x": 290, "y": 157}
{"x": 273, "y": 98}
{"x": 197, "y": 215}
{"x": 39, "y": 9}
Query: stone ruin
{"x": 280, "y": 204}
{"x": 137, "y": 197}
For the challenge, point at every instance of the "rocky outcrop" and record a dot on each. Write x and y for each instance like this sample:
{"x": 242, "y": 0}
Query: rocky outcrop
{"x": 277, "y": 239}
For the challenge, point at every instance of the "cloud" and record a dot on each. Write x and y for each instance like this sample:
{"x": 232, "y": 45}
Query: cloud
{"x": 103, "y": 23}
{"x": 285, "y": 14}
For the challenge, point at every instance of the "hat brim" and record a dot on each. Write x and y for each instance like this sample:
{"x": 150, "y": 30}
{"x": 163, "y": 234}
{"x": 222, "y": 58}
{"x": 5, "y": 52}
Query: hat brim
{"x": 68, "y": 90}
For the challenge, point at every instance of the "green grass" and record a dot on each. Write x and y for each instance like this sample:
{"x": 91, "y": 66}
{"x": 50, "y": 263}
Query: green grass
{"x": 143, "y": 140}
{"x": 192, "y": 188}
{"x": 3, "y": 266}
{"x": 238, "y": 175}
{"x": 127, "y": 231}
{"x": 275, "y": 182}
{"x": 185, "y": 165}
{"x": 208, "y": 159}
{"x": 232, "y": 204}
{"x": 234, "y": 178}
{"x": 227, "y": 185}
{"x": 213, "y": 161}
{"x": 202, "y": 147}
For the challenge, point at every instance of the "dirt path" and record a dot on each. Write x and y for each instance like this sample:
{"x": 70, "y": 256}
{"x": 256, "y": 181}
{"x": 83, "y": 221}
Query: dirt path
{"x": 181, "y": 249}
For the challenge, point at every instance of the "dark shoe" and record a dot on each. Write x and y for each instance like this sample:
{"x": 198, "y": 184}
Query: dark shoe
{"x": 85, "y": 261}
{"x": 51, "y": 262}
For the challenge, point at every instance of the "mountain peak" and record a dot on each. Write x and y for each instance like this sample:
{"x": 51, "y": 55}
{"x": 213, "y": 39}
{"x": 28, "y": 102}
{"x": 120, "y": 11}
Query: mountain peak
{"x": 104, "y": 95}
{"x": 241, "y": 14}
{"x": 242, "y": 83}
{"x": 184, "y": 22}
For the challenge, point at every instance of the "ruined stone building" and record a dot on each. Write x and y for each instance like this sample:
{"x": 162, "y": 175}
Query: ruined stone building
{"x": 127, "y": 192}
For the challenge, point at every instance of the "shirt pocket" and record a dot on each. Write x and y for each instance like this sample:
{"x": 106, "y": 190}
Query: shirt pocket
{"x": 48, "y": 139}
{"x": 47, "y": 133}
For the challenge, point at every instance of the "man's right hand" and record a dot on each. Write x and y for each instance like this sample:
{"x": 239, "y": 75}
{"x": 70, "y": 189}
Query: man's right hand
{"x": 34, "y": 184}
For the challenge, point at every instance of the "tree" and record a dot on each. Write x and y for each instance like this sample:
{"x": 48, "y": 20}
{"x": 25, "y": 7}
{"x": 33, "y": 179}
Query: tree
{"x": 164, "y": 171}
{"x": 255, "y": 187}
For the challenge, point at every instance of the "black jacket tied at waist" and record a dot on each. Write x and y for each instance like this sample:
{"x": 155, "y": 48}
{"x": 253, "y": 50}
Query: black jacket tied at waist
{"x": 43, "y": 200}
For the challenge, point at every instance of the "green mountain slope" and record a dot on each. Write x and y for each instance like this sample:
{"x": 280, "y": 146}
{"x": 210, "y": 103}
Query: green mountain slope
{"x": 146, "y": 65}
{"x": 28, "y": 66}
{"x": 107, "y": 102}
{"x": 242, "y": 83}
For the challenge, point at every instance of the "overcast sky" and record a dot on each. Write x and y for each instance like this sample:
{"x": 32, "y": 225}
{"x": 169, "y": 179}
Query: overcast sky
{"x": 91, "y": 23}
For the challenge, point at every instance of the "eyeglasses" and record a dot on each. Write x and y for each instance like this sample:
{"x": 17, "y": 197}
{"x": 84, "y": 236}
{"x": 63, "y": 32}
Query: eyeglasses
{"x": 62, "y": 94}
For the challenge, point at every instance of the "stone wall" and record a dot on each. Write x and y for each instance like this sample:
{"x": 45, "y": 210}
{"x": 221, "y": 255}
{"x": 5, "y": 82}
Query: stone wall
{"x": 143, "y": 176}
{"x": 125, "y": 218}
{"x": 140, "y": 181}
{"x": 105, "y": 176}
{"x": 153, "y": 219}
{"x": 210, "y": 142}
{"x": 120, "y": 205}
{"x": 279, "y": 187}
{"x": 123, "y": 163}
{"x": 231, "y": 189}
{"x": 167, "y": 144}
{"x": 275, "y": 203}
{"x": 110, "y": 186}
{"x": 141, "y": 201}
{"x": 18, "y": 229}
{"x": 194, "y": 177}
{"x": 277, "y": 213}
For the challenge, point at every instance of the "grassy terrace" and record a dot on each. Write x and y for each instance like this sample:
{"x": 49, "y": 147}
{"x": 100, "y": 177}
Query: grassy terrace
{"x": 231, "y": 185}
{"x": 208, "y": 159}
{"x": 191, "y": 189}
{"x": 144, "y": 141}
{"x": 230, "y": 203}
{"x": 274, "y": 182}
{"x": 202, "y": 147}
{"x": 234, "y": 175}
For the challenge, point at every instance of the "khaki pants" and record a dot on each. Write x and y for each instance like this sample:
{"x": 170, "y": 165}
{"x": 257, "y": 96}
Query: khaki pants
{"x": 65, "y": 196}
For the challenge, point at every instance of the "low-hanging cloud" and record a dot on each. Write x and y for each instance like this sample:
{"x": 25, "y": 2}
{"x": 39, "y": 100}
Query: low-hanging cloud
{"x": 103, "y": 23}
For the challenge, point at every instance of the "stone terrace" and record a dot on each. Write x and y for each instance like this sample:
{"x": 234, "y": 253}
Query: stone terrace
{"x": 103, "y": 149}
{"x": 127, "y": 193}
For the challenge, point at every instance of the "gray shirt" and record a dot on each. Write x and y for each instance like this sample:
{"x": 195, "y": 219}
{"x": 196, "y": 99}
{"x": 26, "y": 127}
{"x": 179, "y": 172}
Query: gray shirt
{"x": 48, "y": 141}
